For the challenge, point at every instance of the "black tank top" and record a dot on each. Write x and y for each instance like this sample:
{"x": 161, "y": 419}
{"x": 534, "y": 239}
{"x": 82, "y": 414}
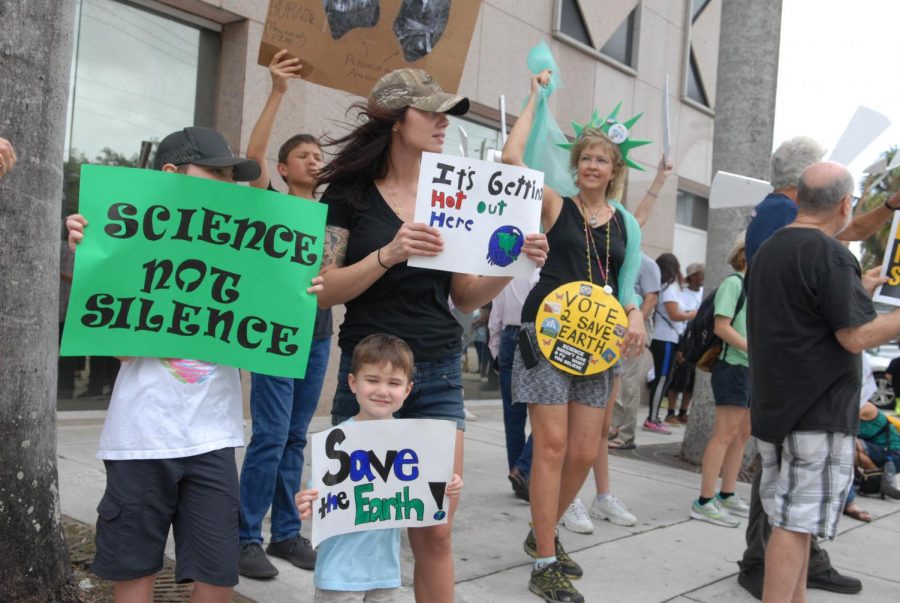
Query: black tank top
{"x": 567, "y": 261}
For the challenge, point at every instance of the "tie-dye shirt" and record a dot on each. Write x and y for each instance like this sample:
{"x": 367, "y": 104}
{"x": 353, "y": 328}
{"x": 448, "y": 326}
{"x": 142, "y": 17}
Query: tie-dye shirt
{"x": 170, "y": 408}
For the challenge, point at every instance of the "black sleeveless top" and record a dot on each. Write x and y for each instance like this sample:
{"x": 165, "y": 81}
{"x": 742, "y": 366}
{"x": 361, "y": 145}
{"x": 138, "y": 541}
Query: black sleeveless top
{"x": 567, "y": 261}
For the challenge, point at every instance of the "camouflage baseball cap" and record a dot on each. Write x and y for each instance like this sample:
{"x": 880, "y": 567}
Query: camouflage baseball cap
{"x": 415, "y": 88}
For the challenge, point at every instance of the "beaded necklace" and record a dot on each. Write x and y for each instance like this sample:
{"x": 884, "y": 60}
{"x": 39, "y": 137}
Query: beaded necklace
{"x": 589, "y": 242}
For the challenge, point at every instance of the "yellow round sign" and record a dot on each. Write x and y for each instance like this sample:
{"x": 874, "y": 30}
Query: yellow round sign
{"x": 579, "y": 328}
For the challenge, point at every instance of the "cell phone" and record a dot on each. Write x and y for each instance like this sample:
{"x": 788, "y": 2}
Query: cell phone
{"x": 528, "y": 348}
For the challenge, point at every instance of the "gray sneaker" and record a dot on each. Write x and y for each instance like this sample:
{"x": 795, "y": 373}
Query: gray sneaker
{"x": 253, "y": 562}
{"x": 734, "y": 504}
{"x": 713, "y": 513}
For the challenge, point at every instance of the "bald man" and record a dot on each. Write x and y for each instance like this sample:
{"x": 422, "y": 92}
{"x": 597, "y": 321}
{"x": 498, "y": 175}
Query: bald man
{"x": 810, "y": 315}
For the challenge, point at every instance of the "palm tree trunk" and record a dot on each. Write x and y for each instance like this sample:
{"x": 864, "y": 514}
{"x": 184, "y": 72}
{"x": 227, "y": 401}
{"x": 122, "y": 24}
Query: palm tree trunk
{"x": 35, "y": 56}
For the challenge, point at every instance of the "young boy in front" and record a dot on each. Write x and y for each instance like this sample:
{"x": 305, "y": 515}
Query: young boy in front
{"x": 169, "y": 437}
{"x": 365, "y": 566}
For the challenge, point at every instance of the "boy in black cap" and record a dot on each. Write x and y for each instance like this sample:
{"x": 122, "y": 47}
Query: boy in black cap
{"x": 169, "y": 437}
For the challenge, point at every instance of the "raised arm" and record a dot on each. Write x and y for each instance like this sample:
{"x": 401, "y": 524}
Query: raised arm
{"x": 864, "y": 226}
{"x": 514, "y": 149}
{"x": 282, "y": 70}
{"x": 645, "y": 207}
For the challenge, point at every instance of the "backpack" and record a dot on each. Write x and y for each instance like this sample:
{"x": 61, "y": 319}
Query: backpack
{"x": 700, "y": 341}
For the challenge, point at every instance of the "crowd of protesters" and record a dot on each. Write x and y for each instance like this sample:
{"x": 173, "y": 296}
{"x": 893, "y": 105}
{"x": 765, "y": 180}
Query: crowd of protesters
{"x": 171, "y": 459}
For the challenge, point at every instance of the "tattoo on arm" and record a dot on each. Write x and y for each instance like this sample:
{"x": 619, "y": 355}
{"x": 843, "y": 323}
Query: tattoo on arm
{"x": 335, "y": 247}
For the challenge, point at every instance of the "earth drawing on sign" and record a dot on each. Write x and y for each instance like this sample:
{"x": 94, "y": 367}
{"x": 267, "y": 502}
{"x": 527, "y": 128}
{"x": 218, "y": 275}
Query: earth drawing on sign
{"x": 505, "y": 245}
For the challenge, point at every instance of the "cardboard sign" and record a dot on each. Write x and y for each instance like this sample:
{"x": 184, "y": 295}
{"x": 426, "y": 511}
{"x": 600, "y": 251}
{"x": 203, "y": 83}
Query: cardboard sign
{"x": 174, "y": 266}
{"x": 732, "y": 190}
{"x": 579, "y": 328}
{"x": 350, "y": 44}
{"x": 889, "y": 292}
{"x": 483, "y": 211}
{"x": 373, "y": 475}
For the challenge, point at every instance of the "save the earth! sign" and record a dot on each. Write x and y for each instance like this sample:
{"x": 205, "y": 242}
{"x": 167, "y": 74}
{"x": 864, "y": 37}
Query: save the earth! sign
{"x": 373, "y": 475}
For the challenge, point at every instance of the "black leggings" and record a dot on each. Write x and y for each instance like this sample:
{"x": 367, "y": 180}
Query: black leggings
{"x": 663, "y": 362}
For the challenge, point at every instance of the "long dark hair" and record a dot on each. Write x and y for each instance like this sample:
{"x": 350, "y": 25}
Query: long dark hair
{"x": 669, "y": 269}
{"x": 363, "y": 154}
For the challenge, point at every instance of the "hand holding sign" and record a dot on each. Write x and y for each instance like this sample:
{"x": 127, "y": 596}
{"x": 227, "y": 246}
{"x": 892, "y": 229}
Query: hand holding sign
{"x": 192, "y": 281}
{"x": 482, "y": 212}
{"x": 411, "y": 240}
{"x": 371, "y": 475}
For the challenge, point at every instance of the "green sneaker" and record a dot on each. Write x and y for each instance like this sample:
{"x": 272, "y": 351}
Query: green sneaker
{"x": 568, "y": 565}
{"x": 713, "y": 513}
{"x": 551, "y": 584}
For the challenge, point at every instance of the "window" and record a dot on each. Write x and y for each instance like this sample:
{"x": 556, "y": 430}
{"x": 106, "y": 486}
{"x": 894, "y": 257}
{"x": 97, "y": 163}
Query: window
{"x": 609, "y": 28}
{"x": 137, "y": 76}
{"x": 702, "y": 51}
{"x": 480, "y": 139}
{"x": 692, "y": 210}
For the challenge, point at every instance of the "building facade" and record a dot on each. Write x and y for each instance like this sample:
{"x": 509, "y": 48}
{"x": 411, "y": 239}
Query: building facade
{"x": 144, "y": 68}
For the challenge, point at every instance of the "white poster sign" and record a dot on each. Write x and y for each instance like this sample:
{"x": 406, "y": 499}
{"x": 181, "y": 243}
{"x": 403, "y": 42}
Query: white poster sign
{"x": 373, "y": 475}
{"x": 483, "y": 211}
{"x": 865, "y": 126}
{"x": 731, "y": 190}
{"x": 667, "y": 141}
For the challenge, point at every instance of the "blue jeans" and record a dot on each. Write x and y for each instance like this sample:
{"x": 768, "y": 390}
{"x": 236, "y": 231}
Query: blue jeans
{"x": 880, "y": 456}
{"x": 281, "y": 409}
{"x": 518, "y": 449}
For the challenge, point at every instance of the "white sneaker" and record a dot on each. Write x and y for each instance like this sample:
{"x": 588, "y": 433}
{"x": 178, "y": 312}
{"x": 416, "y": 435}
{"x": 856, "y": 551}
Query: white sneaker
{"x": 735, "y": 505}
{"x": 576, "y": 518}
{"x": 612, "y": 509}
{"x": 470, "y": 416}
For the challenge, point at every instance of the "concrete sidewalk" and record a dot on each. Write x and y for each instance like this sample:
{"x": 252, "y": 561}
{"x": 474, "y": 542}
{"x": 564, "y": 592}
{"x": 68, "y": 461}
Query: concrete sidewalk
{"x": 665, "y": 557}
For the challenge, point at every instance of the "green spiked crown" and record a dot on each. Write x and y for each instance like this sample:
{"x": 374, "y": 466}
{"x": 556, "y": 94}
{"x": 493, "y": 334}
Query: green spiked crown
{"x": 619, "y": 133}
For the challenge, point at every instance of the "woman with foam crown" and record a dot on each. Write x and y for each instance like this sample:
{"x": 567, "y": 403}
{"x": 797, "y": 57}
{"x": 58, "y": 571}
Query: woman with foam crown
{"x": 592, "y": 238}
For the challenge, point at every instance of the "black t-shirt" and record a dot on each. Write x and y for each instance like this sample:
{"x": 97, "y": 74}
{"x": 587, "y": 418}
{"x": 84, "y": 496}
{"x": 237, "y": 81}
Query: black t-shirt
{"x": 324, "y": 324}
{"x": 410, "y": 303}
{"x": 804, "y": 286}
{"x": 567, "y": 260}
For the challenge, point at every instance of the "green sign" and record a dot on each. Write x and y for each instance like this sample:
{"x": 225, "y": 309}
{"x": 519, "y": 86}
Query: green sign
{"x": 175, "y": 266}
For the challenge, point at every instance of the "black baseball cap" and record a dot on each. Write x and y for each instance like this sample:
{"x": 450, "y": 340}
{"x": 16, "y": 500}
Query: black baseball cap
{"x": 205, "y": 147}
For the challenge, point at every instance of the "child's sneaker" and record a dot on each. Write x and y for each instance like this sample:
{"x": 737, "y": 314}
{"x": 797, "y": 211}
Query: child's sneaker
{"x": 612, "y": 510}
{"x": 673, "y": 420}
{"x": 735, "y": 505}
{"x": 713, "y": 513}
{"x": 656, "y": 427}
{"x": 551, "y": 584}
{"x": 577, "y": 519}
